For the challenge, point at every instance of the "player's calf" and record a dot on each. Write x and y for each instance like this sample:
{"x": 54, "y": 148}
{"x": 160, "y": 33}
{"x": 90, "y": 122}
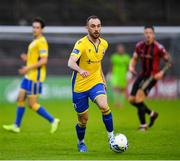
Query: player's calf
{"x": 153, "y": 117}
{"x": 80, "y": 131}
{"x": 108, "y": 121}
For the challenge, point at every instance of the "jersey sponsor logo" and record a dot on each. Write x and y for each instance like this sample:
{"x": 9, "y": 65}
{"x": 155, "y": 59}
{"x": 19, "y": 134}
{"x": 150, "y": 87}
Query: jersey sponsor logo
{"x": 75, "y": 51}
{"x": 146, "y": 56}
{"x": 90, "y": 61}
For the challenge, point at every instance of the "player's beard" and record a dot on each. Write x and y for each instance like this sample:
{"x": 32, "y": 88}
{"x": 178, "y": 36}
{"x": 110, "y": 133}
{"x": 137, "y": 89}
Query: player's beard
{"x": 149, "y": 40}
{"x": 95, "y": 35}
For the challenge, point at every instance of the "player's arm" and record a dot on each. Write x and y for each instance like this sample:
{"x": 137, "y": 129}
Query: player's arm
{"x": 167, "y": 59}
{"x": 43, "y": 61}
{"x": 133, "y": 62}
{"x": 23, "y": 57}
{"x": 72, "y": 63}
{"x": 103, "y": 77}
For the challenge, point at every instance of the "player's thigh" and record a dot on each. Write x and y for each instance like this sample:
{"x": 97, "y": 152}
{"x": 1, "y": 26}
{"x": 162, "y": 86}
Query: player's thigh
{"x": 98, "y": 95}
{"x": 21, "y": 95}
{"x": 80, "y": 101}
{"x": 96, "y": 91}
{"x": 141, "y": 94}
{"x": 32, "y": 100}
{"x": 101, "y": 101}
{"x": 136, "y": 86}
{"x": 150, "y": 86}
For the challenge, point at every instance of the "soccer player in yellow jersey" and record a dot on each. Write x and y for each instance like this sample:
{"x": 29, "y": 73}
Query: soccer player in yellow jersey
{"x": 88, "y": 79}
{"x": 34, "y": 75}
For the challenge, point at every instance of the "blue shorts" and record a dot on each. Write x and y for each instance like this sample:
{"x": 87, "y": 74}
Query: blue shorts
{"x": 31, "y": 87}
{"x": 80, "y": 100}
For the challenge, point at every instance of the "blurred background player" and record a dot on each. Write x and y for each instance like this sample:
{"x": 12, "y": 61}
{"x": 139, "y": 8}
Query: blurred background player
{"x": 120, "y": 62}
{"x": 34, "y": 75}
{"x": 88, "y": 79}
{"x": 150, "y": 52}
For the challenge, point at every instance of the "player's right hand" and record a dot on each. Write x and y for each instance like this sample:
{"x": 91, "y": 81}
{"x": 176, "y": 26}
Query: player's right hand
{"x": 159, "y": 75}
{"x": 132, "y": 70}
{"x": 23, "y": 56}
{"x": 23, "y": 70}
{"x": 84, "y": 73}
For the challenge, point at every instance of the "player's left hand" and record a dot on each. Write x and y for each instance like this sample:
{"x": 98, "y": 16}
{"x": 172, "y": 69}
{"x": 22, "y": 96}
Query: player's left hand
{"x": 159, "y": 75}
{"x": 23, "y": 70}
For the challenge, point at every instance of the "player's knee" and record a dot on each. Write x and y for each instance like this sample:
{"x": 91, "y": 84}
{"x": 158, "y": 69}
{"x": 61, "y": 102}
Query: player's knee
{"x": 103, "y": 106}
{"x": 20, "y": 99}
{"x": 34, "y": 106}
{"x": 20, "y": 103}
{"x": 132, "y": 99}
{"x": 82, "y": 123}
{"x": 83, "y": 119}
{"x": 105, "y": 110}
{"x": 140, "y": 96}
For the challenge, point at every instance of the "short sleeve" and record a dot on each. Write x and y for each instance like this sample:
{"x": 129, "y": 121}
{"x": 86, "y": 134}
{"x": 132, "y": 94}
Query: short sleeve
{"x": 43, "y": 48}
{"x": 162, "y": 50}
{"x": 78, "y": 49}
{"x": 136, "y": 48}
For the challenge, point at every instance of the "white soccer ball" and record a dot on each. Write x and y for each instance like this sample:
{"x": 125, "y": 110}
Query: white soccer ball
{"x": 120, "y": 143}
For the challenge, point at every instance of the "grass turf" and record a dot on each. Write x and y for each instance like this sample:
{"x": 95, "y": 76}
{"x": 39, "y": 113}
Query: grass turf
{"x": 35, "y": 142}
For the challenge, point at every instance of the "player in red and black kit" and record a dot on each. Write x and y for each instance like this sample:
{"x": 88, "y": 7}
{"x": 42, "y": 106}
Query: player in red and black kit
{"x": 150, "y": 52}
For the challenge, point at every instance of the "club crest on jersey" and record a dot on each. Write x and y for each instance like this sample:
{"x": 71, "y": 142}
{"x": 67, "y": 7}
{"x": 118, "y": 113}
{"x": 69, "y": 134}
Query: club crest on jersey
{"x": 89, "y": 50}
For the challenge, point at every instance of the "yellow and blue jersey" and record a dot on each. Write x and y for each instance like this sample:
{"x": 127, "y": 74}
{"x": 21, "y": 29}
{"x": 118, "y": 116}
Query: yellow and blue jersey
{"x": 37, "y": 49}
{"x": 89, "y": 58}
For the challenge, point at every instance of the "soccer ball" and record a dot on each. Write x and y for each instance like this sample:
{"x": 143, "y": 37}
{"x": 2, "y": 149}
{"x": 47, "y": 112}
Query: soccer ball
{"x": 119, "y": 144}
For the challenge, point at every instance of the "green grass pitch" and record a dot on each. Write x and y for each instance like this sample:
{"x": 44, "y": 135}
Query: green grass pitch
{"x": 162, "y": 141}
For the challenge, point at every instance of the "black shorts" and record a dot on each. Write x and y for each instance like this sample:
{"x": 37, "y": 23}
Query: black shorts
{"x": 139, "y": 83}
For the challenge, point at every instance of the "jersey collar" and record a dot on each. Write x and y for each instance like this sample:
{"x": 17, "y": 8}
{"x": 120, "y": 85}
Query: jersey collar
{"x": 96, "y": 48}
